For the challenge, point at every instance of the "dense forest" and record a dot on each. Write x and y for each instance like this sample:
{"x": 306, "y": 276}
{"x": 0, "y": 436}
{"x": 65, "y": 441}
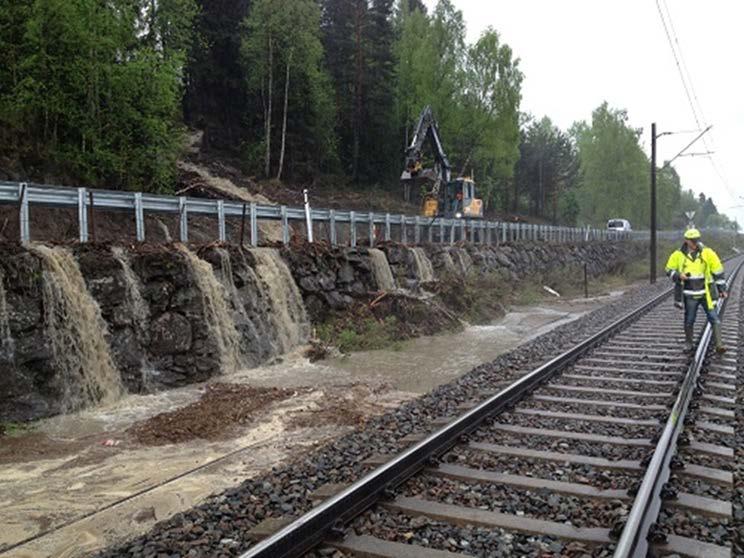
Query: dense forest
{"x": 95, "y": 93}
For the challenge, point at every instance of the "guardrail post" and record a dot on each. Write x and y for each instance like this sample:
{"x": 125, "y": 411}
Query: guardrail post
{"x": 83, "y": 214}
{"x": 332, "y": 227}
{"x": 371, "y": 218}
{"x": 352, "y": 229}
{"x": 285, "y": 224}
{"x": 387, "y": 226}
{"x": 463, "y": 231}
{"x": 139, "y": 217}
{"x": 452, "y": 232}
{"x": 503, "y": 231}
{"x": 489, "y": 227}
{"x": 254, "y": 224}
{"x": 221, "y": 220}
{"x": 183, "y": 219}
{"x": 403, "y": 232}
{"x": 308, "y": 216}
{"x": 242, "y": 226}
{"x": 441, "y": 231}
{"x": 416, "y": 230}
{"x": 430, "y": 232}
{"x": 23, "y": 217}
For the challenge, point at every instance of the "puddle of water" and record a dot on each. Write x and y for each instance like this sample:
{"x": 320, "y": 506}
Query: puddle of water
{"x": 427, "y": 362}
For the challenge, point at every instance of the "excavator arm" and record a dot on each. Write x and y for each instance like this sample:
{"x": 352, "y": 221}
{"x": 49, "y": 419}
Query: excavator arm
{"x": 427, "y": 130}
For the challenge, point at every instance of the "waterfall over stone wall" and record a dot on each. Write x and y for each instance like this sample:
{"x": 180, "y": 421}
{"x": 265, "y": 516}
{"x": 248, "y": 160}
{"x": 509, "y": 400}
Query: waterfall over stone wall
{"x": 424, "y": 269}
{"x": 257, "y": 343}
{"x": 77, "y": 331}
{"x": 289, "y": 315}
{"x": 138, "y": 309}
{"x": 216, "y": 312}
{"x": 6, "y": 340}
{"x": 449, "y": 264}
{"x": 381, "y": 270}
{"x": 464, "y": 261}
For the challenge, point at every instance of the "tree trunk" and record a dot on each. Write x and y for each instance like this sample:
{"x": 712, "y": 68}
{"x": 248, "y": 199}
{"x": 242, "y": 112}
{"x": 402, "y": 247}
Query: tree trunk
{"x": 284, "y": 120}
{"x": 267, "y": 163}
{"x": 356, "y": 128}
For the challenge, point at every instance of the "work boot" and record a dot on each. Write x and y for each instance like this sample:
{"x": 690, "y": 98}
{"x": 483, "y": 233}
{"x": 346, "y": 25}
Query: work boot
{"x": 717, "y": 337}
{"x": 688, "y": 340}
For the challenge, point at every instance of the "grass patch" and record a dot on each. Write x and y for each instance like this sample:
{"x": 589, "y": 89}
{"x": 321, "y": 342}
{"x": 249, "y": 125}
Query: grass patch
{"x": 16, "y": 428}
{"x": 366, "y": 334}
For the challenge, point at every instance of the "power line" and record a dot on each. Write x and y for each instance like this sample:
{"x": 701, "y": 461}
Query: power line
{"x": 684, "y": 65}
{"x": 690, "y": 92}
{"x": 679, "y": 66}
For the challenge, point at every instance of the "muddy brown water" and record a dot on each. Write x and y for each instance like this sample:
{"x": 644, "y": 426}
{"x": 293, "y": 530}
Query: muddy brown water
{"x": 85, "y": 494}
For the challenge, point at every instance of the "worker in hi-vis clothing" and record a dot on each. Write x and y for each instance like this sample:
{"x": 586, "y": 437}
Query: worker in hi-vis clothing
{"x": 700, "y": 272}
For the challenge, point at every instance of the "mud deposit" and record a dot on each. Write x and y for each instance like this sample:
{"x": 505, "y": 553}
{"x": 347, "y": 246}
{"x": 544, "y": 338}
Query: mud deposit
{"x": 217, "y": 414}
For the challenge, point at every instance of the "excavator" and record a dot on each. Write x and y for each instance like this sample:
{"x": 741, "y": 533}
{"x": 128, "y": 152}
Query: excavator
{"x": 441, "y": 196}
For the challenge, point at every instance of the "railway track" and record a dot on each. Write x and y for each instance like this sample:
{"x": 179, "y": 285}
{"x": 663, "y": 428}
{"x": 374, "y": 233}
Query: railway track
{"x": 621, "y": 446}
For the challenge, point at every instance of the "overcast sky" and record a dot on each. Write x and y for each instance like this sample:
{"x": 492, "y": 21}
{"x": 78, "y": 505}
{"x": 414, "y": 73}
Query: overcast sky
{"x": 577, "y": 53}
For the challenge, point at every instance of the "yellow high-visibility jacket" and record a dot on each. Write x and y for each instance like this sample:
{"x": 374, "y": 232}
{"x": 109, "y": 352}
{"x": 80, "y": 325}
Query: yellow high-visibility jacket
{"x": 702, "y": 267}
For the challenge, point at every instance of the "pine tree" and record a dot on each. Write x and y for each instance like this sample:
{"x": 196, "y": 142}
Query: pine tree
{"x": 358, "y": 37}
{"x": 216, "y": 98}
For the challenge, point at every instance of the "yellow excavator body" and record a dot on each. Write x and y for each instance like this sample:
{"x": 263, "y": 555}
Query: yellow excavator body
{"x": 430, "y": 207}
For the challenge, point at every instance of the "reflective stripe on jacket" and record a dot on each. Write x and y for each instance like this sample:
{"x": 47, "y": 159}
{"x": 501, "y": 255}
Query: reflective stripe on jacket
{"x": 703, "y": 268}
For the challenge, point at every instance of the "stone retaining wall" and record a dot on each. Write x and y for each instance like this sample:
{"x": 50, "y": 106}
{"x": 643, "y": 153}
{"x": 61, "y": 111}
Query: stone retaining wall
{"x": 173, "y": 344}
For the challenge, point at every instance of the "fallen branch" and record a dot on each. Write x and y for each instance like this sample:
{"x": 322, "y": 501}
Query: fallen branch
{"x": 377, "y": 300}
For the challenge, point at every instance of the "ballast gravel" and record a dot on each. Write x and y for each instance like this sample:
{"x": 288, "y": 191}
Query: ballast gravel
{"x": 219, "y": 526}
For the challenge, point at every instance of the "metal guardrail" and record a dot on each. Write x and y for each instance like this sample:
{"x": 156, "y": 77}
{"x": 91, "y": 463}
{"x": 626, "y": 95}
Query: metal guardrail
{"x": 374, "y": 226}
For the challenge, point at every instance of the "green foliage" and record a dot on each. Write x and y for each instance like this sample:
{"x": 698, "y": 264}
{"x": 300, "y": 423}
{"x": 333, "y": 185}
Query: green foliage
{"x": 474, "y": 92}
{"x": 546, "y": 172}
{"x": 281, "y": 38}
{"x": 613, "y": 169}
{"x": 358, "y": 37}
{"x": 366, "y": 335}
{"x": 95, "y": 89}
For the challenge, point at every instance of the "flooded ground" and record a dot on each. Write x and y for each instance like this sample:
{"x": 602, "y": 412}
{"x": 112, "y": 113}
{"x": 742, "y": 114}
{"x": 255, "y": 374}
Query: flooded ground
{"x": 80, "y": 482}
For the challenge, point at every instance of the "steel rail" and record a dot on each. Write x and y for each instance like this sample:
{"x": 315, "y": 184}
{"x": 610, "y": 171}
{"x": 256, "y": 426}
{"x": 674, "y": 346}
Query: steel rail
{"x": 312, "y": 528}
{"x": 633, "y": 540}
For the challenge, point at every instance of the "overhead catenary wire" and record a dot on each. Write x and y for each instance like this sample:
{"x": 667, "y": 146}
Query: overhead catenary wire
{"x": 688, "y": 85}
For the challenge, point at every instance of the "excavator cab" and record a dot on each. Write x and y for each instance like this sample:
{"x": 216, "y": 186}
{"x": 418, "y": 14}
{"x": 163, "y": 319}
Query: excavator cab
{"x": 460, "y": 200}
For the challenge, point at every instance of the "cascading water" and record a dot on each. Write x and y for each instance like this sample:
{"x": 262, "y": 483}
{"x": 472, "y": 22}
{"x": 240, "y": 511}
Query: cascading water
{"x": 463, "y": 259}
{"x": 289, "y": 315}
{"x": 216, "y": 312}
{"x": 77, "y": 332}
{"x": 6, "y": 340}
{"x": 243, "y": 322}
{"x": 449, "y": 265}
{"x": 424, "y": 270}
{"x": 139, "y": 310}
{"x": 164, "y": 230}
{"x": 381, "y": 270}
